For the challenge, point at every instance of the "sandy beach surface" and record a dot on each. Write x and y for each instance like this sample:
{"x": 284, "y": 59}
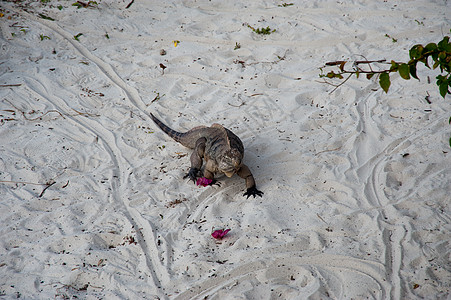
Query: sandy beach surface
{"x": 93, "y": 204}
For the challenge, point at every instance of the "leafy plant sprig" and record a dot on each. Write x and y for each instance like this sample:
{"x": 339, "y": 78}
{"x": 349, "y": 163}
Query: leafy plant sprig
{"x": 262, "y": 30}
{"x": 42, "y": 16}
{"x": 440, "y": 54}
{"x": 43, "y": 37}
{"x": 80, "y": 4}
{"x": 285, "y": 4}
{"x": 392, "y": 38}
{"x": 76, "y": 37}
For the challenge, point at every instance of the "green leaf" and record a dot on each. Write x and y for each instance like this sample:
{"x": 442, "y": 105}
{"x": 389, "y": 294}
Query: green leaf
{"x": 384, "y": 81}
{"x": 416, "y": 51}
{"x": 394, "y": 66}
{"x": 430, "y": 47}
{"x": 434, "y": 55}
{"x": 413, "y": 70}
{"x": 436, "y": 64}
{"x": 450, "y": 142}
{"x": 441, "y": 79}
{"x": 369, "y": 76}
{"x": 331, "y": 74}
{"x": 404, "y": 71}
{"x": 444, "y": 45}
{"x": 443, "y": 87}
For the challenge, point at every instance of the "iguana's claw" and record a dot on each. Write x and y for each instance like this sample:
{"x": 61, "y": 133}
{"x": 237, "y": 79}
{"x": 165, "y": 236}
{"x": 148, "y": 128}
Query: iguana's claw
{"x": 215, "y": 182}
{"x": 252, "y": 191}
{"x": 193, "y": 174}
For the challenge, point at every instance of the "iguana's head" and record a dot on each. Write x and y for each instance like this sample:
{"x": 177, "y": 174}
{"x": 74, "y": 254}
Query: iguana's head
{"x": 230, "y": 162}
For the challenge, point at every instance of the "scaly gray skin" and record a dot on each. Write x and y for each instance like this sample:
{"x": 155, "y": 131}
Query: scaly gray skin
{"x": 221, "y": 149}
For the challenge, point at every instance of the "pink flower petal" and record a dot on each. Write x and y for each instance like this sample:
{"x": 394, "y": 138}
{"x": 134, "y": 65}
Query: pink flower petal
{"x": 219, "y": 234}
{"x": 203, "y": 181}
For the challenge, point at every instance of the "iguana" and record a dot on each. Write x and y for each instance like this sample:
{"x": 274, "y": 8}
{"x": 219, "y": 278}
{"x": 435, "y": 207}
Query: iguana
{"x": 221, "y": 149}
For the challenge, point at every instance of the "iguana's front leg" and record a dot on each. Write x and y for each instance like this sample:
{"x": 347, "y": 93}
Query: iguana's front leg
{"x": 246, "y": 174}
{"x": 196, "y": 160}
{"x": 208, "y": 174}
{"x": 210, "y": 165}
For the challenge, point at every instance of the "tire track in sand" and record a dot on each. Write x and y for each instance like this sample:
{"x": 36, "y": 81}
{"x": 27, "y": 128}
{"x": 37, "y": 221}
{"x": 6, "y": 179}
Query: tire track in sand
{"x": 393, "y": 233}
{"x": 369, "y": 172}
{"x": 157, "y": 270}
{"x": 147, "y": 235}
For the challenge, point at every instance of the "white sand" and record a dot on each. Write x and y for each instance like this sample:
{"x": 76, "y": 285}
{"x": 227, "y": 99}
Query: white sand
{"x": 356, "y": 182}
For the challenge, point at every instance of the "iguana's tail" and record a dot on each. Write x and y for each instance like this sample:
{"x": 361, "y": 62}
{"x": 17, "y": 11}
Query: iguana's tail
{"x": 177, "y": 136}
